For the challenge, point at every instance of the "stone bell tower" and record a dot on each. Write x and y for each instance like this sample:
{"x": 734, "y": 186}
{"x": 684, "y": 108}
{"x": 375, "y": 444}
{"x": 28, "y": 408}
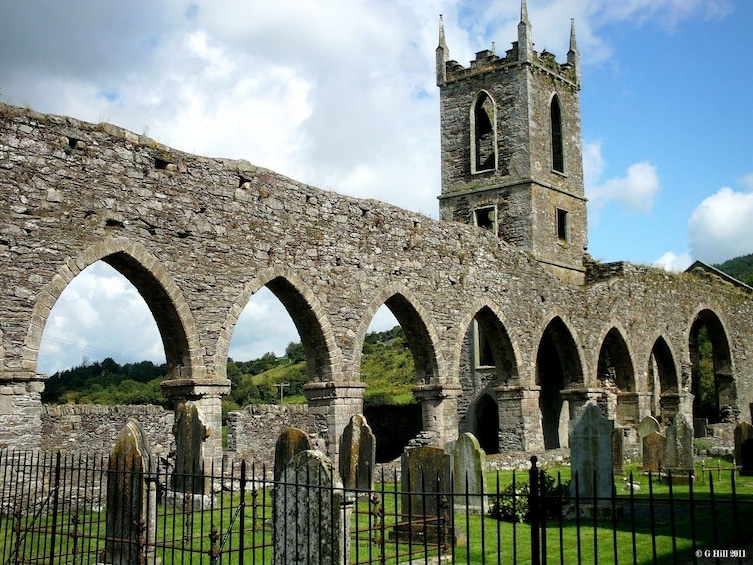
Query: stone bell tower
{"x": 511, "y": 149}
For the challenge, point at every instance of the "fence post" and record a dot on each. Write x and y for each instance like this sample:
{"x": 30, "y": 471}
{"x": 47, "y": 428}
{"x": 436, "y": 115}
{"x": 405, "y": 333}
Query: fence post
{"x": 534, "y": 509}
{"x": 55, "y": 501}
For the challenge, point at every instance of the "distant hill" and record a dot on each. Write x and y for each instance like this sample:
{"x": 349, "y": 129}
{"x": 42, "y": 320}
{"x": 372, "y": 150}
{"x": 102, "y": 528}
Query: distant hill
{"x": 740, "y": 267}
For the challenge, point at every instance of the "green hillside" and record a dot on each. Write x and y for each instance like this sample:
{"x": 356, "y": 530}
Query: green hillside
{"x": 740, "y": 267}
{"x": 386, "y": 367}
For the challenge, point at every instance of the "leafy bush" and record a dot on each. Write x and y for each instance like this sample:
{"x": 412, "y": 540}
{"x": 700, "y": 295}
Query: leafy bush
{"x": 511, "y": 504}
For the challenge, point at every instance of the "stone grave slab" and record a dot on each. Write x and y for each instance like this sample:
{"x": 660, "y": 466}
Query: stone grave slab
{"x": 357, "y": 454}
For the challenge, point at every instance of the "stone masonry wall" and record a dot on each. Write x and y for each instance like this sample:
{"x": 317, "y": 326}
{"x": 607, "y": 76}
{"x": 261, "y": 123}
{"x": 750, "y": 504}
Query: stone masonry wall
{"x": 253, "y": 431}
{"x": 199, "y": 236}
{"x": 88, "y": 429}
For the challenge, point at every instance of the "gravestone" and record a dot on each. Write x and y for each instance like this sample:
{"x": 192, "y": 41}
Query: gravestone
{"x": 654, "y": 445}
{"x": 311, "y": 518}
{"x": 291, "y": 442}
{"x": 700, "y": 427}
{"x": 744, "y": 448}
{"x": 469, "y": 462}
{"x": 647, "y": 426}
{"x": 190, "y": 433}
{"x": 678, "y": 451}
{"x": 618, "y": 450}
{"x": 425, "y": 474}
{"x": 591, "y": 454}
{"x": 131, "y": 499}
{"x": 357, "y": 454}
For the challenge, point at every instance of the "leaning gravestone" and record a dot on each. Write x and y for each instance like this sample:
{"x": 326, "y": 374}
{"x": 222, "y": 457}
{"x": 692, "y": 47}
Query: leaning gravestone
{"x": 425, "y": 474}
{"x": 591, "y": 454}
{"x": 618, "y": 450}
{"x": 653, "y": 452}
{"x": 190, "y": 433}
{"x": 357, "y": 454}
{"x": 744, "y": 448}
{"x": 647, "y": 426}
{"x": 678, "y": 452}
{"x": 291, "y": 442}
{"x": 131, "y": 499}
{"x": 312, "y": 522}
{"x": 469, "y": 462}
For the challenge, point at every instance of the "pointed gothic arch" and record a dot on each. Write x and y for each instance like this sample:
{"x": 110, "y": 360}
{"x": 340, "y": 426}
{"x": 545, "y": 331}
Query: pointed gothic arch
{"x": 663, "y": 385}
{"x": 712, "y": 379}
{"x": 558, "y": 367}
{"x": 558, "y": 146}
{"x": 616, "y": 374}
{"x": 323, "y": 357}
{"x": 483, "y": 133}
{"x": 160, "y": 292}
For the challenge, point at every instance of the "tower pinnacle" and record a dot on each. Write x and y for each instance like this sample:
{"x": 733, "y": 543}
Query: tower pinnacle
{"x": 573, "y": 56}
{"x": 525, "y": 43}
{"x": 443, "y": 55}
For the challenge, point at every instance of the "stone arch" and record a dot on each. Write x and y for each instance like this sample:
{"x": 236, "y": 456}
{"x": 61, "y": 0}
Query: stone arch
{"x": 556, "y": 134}
{"x": 503, "y": 351}
{"x": 143, "y": 270}
{"x": 663, "y": 383}
{"x": 420, "y": 335}
{"x": 715, "y": 400}
{"x": 483, "y": 133}
{"x": 558, "y": 367}
{"x": 616, "y": 375}
{"x": 484, "y": 358}
{"x": 323, "y": 357}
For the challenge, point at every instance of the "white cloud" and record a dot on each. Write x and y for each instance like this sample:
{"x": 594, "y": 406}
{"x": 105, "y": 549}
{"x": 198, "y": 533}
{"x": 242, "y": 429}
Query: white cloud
{"x": 635, "y": 191}
{"x": 721, "y": 227}
{"x": 670, "y": 261}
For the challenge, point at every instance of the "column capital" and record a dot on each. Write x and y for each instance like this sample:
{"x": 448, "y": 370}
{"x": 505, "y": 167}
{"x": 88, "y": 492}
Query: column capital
{"x": 194, "y": 389}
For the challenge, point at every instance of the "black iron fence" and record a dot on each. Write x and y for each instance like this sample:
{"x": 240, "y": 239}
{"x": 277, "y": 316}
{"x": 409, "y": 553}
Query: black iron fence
{"x": 54, "y": 509}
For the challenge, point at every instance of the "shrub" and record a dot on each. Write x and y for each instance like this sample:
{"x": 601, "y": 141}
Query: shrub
{"x": 511, "y": 504}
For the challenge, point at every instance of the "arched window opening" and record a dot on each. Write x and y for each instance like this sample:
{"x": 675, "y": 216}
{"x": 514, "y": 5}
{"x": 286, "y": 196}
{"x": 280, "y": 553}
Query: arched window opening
{"x": 101, "y": 344}
{"x": 618, "y": 379}
{"x": 484, "y": 146}
{"x": 389, "y": 371}
{"x": 558, "y": 153}
{"x": 557, "y": 368}
{"x": 712, "y": 382}
{"x": 662, "y": 382}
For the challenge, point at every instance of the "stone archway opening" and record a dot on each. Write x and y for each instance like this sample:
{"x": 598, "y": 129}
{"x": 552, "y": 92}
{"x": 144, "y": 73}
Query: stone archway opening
{"x": 116, "y": 319}
{"x": 487, "y": 363}
{"x": 712, "y": 382}
{"x": 617, "y": 378}
{"x": 558, "y": 368}
{"x": 663, "y": 388}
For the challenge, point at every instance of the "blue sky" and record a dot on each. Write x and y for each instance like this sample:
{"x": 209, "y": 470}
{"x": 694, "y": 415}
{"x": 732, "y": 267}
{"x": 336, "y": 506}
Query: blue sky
{"x": 342, "y": 95}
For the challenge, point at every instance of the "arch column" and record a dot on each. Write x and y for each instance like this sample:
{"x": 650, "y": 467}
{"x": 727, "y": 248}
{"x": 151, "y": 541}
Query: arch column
{"x": 332, "y": 405}
{"x": 519, "y": 418}
{"x": 439, "y": 410}
{"x": 206, "y": 396}
{"x": 21, "y": 408}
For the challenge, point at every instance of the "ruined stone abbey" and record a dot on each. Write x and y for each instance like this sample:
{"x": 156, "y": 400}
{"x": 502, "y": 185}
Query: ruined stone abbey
{"x": 511, "y": 325}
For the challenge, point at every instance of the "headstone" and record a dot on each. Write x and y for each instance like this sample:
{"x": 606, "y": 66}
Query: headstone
{"x": 647, "y": 426}
{"x": 357, "y": 454}
{"x": 744, "y": 448}
{"x": 425, "y": 474}
{"x": 618, "y": 450}
{"x": 130, "y": 496}
{"x": 678, "y": 452}
{"x": 190, "y": 433}
{"x": 311, "y": 520}
{"x": 653, "y": 452}
{"x": 700, "y": 427}
{"x": 591, "y": 454}
{"x": 291, "y": 442}
{"x": 469, "y": 462}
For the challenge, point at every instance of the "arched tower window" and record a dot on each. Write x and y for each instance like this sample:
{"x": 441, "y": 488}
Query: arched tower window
{"x": 484, "y": 130}
{"x": 558, "y": 153}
